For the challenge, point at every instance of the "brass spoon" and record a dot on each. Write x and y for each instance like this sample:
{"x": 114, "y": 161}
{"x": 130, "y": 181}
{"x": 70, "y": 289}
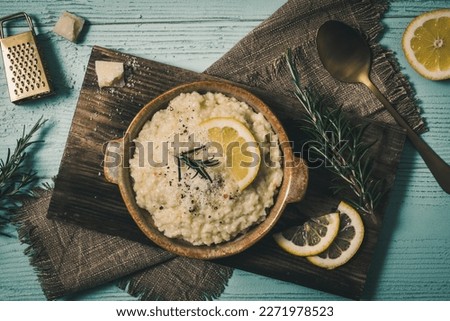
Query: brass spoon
{"x": 347, "y": 57}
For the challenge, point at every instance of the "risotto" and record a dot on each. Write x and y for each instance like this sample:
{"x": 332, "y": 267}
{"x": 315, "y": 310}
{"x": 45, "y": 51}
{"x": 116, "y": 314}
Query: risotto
{"x": 183, "y": 204}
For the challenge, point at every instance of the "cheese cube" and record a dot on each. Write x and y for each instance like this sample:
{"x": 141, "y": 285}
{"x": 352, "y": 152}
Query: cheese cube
{"x": 109, "y": 73}
{"x": 69, "y": 26}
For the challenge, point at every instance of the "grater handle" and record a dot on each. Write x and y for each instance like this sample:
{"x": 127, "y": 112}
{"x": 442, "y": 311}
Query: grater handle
{"x": 15, "y": 16}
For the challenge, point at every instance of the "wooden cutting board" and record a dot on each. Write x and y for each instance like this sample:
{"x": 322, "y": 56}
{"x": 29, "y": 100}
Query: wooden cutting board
{"x": 83, "y": 196}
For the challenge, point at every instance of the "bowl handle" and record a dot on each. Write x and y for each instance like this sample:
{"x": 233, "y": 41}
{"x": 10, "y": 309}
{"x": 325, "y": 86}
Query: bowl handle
{"x": 113, "y": 160}
{"x": 298, "y": 180}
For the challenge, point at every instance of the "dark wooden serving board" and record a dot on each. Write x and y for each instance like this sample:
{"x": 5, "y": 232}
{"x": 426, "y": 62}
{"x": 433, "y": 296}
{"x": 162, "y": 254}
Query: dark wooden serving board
{"x": 83, "y": 196}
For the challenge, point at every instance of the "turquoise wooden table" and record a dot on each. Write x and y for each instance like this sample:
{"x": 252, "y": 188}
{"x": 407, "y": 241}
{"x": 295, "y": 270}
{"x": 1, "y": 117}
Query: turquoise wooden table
{"x": 412, "y": 261}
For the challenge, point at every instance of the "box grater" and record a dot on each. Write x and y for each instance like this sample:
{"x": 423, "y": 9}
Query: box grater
{"x": 25, "y": 73}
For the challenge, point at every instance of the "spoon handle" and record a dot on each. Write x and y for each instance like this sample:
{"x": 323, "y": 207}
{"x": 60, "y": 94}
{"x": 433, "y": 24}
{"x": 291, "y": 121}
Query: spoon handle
{"x": 437, "y": 166}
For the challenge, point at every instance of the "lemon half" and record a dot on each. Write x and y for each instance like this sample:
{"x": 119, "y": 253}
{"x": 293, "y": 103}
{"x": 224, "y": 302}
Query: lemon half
{"x": 426, "y": 44}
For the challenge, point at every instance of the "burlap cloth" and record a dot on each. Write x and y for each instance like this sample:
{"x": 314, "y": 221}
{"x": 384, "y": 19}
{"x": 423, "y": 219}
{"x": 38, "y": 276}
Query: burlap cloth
{"x": 69, "y": 258}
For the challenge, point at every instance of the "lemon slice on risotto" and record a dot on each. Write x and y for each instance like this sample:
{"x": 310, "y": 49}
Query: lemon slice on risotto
{"x": 238, "y": 146}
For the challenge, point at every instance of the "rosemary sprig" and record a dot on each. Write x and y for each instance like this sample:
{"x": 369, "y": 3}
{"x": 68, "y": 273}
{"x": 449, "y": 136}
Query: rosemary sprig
{"x": 15, "y": 180}
{"x": 339, "y": 143}
{"x": 199, "y": 165}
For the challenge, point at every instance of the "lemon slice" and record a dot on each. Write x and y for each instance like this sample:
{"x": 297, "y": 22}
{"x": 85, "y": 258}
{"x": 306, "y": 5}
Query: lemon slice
{"x": 426, "y": 43}
{"x": 238, "y": 147}
{"x": 347, "y": 241}
{"x": 312, "y": 237}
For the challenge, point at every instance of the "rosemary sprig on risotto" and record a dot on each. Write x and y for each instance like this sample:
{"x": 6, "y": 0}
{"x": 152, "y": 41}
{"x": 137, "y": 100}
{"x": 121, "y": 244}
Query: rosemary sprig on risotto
{"x": 199, "y": 165}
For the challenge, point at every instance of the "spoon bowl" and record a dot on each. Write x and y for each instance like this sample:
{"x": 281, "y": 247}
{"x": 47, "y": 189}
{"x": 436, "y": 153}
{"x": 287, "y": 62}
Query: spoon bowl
{"x": 345, "y": 60}
{"x": 347, "y": 57}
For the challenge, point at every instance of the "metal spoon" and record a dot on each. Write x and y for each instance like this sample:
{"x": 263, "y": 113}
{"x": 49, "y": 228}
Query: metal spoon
{"x": 347, "y": 57}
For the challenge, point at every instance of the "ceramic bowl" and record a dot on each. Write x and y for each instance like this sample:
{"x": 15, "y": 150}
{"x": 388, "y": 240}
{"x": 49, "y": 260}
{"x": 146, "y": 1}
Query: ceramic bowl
{"x": 292, "y": 189}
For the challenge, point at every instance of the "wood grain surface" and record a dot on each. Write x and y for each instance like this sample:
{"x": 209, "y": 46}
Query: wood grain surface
{"x": 412, "y": 258}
